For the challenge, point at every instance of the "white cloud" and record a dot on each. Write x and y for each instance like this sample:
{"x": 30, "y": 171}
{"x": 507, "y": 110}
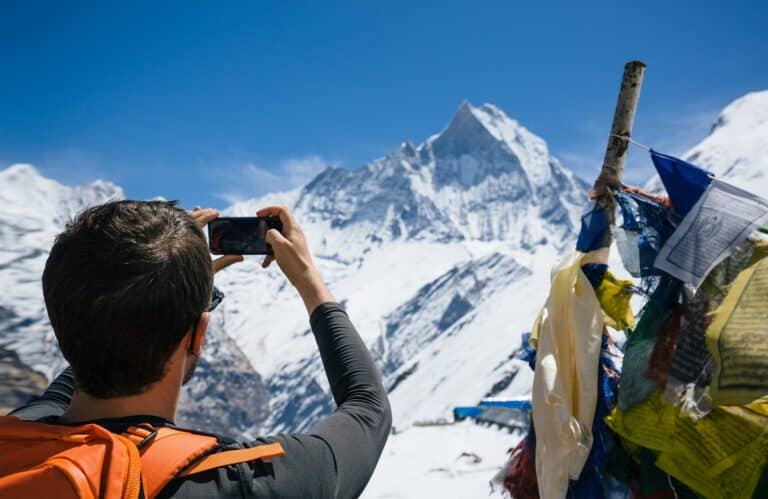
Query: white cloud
{"x": 255, "y": 179}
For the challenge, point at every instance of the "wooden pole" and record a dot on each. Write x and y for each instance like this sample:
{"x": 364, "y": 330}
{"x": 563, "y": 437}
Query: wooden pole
{"x": 623, "y": 117}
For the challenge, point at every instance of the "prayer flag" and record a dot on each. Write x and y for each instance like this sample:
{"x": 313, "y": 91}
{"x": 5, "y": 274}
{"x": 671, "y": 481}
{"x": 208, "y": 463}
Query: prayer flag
{"x": 684, "y": 182}
{"x": 719, "y": 222}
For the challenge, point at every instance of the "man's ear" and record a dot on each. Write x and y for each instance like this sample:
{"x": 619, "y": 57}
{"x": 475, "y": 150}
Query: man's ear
{"x": 198, "y": 335}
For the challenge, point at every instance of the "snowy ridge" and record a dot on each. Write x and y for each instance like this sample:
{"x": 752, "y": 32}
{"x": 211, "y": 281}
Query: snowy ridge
{"x": 485, "y": 177}
{"x": 441, "y": 307}
{"x": 736, "y": 149}
{"x": 458, "y": 338}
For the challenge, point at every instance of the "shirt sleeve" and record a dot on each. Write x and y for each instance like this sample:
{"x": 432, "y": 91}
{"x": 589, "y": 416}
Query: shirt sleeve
{"x": 53, "y": 402}
{"x": 338, "y": 456}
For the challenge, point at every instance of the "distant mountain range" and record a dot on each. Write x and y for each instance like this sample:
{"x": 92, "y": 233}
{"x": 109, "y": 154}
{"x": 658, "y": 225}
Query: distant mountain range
{"x": 439, "y": 251}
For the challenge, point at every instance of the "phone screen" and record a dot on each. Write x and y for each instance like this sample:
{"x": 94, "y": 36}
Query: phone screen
{"x": 241, "y": 235}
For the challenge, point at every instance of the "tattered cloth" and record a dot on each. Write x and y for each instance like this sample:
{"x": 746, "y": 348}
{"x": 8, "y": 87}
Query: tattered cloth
{"x": 568, "y": 339}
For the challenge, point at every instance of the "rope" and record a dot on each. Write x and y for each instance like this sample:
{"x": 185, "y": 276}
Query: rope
{"x": 629, "y": 139}
{"x": 662, "y": 200}
{"x": 612, "y": 182}
{"x": 604, "y": 182}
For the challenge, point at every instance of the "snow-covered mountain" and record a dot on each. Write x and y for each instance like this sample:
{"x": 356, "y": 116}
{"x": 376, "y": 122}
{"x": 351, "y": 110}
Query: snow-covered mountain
{"x": 736, "y": 149}
{"x": 33, "y": 210}
{"x": 440, "y": 252}
{"x": 484, "y": 178}
{"x": 435, "y": 250}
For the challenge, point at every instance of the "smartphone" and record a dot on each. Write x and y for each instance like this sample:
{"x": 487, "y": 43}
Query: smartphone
{"x": 241, "y": 235}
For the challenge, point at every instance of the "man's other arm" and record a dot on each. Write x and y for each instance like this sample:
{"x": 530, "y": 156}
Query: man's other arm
{"x": 53, "y": 402}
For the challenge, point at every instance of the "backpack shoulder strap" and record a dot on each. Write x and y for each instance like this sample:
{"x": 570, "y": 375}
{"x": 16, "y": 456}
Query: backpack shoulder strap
{"x": 165, "y": 452}
{"x": 226, "y": 458}
{"x": 168, "y": 453}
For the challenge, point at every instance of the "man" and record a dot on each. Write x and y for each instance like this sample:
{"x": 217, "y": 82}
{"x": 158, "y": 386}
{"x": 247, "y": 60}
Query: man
{"x": 128, "y": 287}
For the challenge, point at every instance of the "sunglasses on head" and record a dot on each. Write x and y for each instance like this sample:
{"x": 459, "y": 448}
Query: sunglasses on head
{"x": 216, "y": 297}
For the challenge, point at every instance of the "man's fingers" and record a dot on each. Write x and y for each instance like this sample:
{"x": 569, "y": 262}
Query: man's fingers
{"x": 203, "y": 217}
{"x": 269, "y": 211}
{"x": 225, "y": 261}
{"x": 274, "y": 238}
{"x": 286, "y": 217}
{"x": 199, "y": 212}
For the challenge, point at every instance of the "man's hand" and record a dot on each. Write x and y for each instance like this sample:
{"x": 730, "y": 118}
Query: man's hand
{"x": 292, "y": 255}
{"x": 203, "y": 217}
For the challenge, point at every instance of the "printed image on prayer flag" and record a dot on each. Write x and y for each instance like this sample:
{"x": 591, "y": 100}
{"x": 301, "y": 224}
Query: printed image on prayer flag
{"x": 722, "y": 218}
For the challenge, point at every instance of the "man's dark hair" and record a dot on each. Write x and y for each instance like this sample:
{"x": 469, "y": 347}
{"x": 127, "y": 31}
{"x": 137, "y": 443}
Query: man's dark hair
{"x": 123, "y": 284}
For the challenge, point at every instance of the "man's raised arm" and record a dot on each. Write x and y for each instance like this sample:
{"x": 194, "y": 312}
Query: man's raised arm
{"x": 357, "y": 431}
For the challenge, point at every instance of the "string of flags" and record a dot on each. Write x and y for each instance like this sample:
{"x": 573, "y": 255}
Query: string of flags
{"x": 671, "y": 402}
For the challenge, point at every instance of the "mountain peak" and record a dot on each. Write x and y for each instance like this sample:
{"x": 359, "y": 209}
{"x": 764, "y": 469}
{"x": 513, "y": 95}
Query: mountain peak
{"x": 24, "y": 174}
{"x": 19, "y": 171}
{"x": 489, "y": 117}
{"x": 466, "y": 111}
{"x": 21, "y": 185}
{"x": 486, "y": 126}
{"x": 744, "y": 114}
{"x": 467, "y": 133}
{"x": 465, "y": 107}
{"x": 736, "y": 149}
{"x": 500, "y": 143}
{"x": 24, "y": 178}
{"x": 484, "y": 177}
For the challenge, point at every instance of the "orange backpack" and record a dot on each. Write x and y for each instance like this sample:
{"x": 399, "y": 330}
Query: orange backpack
{"x": 88, "y": 461}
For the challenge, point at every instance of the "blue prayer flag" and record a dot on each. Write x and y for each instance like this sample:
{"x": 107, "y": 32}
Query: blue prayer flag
{"x": 594, "y": 229}
{"x": 684, "y": 182}
{"x": 645, "y": 225}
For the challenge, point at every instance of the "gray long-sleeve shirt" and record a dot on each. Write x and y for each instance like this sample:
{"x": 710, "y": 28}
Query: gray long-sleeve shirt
{"x": 334, "y": 460}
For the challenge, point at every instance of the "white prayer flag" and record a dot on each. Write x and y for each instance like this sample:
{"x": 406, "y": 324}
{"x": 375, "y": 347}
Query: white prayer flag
{"x": 722, "y": 218}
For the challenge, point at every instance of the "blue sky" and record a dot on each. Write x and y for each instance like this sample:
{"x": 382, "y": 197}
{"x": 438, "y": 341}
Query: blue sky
{"x": 208, "y": 102}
